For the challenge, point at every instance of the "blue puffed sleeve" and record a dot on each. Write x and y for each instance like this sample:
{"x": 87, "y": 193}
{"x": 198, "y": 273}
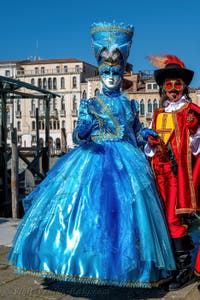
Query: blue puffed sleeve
{"x": 81, "y": 133}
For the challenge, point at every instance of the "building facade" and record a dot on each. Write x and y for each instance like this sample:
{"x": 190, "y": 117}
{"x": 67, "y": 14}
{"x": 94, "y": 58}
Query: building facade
{"x": 61, "y": 76}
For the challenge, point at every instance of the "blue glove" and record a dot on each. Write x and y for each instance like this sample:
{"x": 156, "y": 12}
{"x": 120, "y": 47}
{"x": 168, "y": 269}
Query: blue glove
{"x": 84, "y": 122}
{"x": 146, "y": 132}
{"x": 83, "y": 128}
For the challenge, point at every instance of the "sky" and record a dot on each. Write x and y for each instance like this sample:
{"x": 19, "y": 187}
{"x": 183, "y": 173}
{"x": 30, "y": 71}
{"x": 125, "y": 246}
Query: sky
{"x": 61, "y": 29}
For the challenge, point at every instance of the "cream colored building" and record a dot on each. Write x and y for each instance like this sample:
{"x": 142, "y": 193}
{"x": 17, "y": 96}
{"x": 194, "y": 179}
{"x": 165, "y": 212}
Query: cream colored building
{"x": 63, "y": 77}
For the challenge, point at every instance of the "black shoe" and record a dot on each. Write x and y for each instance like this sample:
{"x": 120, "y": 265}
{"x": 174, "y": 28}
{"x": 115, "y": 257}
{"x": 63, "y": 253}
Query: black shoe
{"x": 182, "y": 280}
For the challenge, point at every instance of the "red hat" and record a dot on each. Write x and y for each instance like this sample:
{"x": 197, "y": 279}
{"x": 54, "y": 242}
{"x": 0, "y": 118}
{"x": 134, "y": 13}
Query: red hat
{"x": 170, "y": 67}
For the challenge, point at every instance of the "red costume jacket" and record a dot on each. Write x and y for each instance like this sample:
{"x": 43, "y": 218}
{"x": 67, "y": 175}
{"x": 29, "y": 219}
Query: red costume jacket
{"x": 171, "y": 126}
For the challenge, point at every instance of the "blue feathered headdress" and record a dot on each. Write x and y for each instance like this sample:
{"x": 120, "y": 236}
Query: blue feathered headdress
{"x": 111, "y": 43}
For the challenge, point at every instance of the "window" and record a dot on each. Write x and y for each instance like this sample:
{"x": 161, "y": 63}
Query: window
{"x": 44, "y": 83}
{"x": 74, "y": 124}
{"x": 18, "y": 105}
{"x": 74, "y": 103}
{"x": 149, "y": 86}
{"x": 84, "y": 95}
{"x": 77, "y": 68}
{"x": 142, "y": 109}
{"x": 74, "y": 82}
{"x": 58, "y": 144}
{"x": 62, "y": 83}
{"x": 50, "y": 84}
{"x": 42, "y": 70}
{"x": 149, "y": 106}
{"x": 54, "y": 83}
{"x": 65, "y": 69}
{"x": 57, "y": 69}
{"x": 33, "y": 138}
{"x": 39, "y": 82}
{"x": 33, "y": 125}
{"x": 36, "y": 71}
{"x": 32, "y": 104}
{"x": 62, "y": 103}
{"x": 19, "y": 125}
{"x": 63, "y": 124}
{"x": 7, "y": 73}
{"x": 32, "y": 81}
{"x": 155, "y": 86}
{"x": 155, "y": 104}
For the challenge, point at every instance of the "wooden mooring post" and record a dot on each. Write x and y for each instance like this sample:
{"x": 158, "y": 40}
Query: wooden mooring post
{"x": 14, "y": 175}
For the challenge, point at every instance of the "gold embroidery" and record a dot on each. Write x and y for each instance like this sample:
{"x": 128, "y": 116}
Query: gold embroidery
{"x": 109, "y": 134}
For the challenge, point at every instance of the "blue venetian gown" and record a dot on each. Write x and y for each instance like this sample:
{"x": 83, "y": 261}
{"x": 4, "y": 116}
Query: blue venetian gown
{"x": 96, "y": 217}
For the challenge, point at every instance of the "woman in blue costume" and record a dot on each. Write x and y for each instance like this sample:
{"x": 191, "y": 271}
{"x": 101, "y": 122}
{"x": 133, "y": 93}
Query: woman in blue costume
{"x": 96, "y": 218}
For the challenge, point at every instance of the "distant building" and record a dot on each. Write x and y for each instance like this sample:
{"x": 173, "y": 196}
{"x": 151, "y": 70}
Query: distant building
{"x": 62, "y": 76}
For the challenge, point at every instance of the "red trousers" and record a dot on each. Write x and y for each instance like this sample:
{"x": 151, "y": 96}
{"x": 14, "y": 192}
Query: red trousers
{"x": 197, "y": 264}
{"x": 167, "y": 186}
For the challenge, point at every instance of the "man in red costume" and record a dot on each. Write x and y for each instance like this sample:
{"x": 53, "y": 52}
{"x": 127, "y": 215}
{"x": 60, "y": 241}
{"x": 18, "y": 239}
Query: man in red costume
{"x": 175, "y": 157}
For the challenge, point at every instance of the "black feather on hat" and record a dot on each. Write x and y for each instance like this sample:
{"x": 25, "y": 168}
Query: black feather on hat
{"x": 170, "y": 67}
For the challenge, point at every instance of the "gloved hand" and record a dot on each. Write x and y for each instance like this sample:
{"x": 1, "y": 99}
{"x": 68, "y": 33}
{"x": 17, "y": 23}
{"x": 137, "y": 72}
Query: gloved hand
{"x": 83, "y": 127}
{"x": 192, "y": 122}
{"x": 84, "y": 122}
{"x": 147, "y": 132}
{"x": 154, "y": 141}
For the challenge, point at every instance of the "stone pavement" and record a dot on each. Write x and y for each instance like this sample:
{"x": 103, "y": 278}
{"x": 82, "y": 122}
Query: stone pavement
{"x": 19, "y": 287}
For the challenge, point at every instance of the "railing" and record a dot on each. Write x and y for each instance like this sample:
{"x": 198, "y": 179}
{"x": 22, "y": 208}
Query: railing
{"x": 48, "y": 72}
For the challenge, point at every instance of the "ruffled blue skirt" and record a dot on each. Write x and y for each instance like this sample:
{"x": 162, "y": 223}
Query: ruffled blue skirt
{"x": 96, "y": 218}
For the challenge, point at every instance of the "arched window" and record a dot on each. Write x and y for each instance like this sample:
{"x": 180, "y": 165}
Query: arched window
{"x": 18, "y": 105}
{"x": 74, "y": 103}
{"x": 32, "y": 81}
{"x": 33, "y": 125}
{"x": 155, "y": 104}
{"x": 149, "y": 106}
{"x": 41, "y": 105}
{"x": 74, "y": 123}
{"x": 58, "y": 144}
{"x": 96, "y": 92}
{"x": 65, "y": 69}
{"x": 142, "y": 108}
{"x": 54, "y": 83}
{"x": 19, "y": 125}
{"x": 58, "y": 124}
{"x": 44, "y": 83}
{"x": 62, "y": 103}
{"x": 62, "y": 83}
{"x": 63, "y": 124}
{"x": 50, "y": 84}
{"x": 84, "y": 95}
{"x": 74, "y": 82}
{"x": 32, "y": 104}
{"x": 39, "y": 82}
